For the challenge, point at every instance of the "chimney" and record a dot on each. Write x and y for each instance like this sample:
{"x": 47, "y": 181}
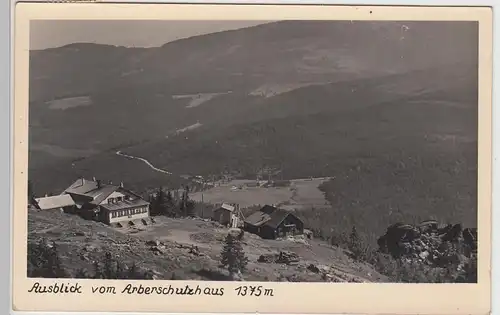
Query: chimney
{"x": 121, "y": 184}
{"x": 93, "y": 178}
{"x": 46, "y": 195}
{"x": 83, "y": 181}
{"x": 98, "y": 183}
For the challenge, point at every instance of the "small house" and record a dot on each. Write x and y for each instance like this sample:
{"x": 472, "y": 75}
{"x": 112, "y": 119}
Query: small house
{"x": 63, "y": 203}
{"x": 271, "y": 223}
{"x": 227, "y": 214}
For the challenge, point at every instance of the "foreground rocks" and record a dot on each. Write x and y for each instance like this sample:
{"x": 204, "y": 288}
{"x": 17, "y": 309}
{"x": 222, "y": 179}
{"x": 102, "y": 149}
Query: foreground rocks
{"x": 283, "y": 257}
{"x": 81, "y": 243}
{"x": 430, "y": 243}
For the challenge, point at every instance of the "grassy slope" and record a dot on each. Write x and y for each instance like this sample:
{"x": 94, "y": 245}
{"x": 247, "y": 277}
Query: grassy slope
{"x": 77, "y": 237}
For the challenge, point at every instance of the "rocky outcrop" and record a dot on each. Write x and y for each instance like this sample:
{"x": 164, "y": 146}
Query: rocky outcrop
{"x": 283, "y": 257}
{"x": 429, "y": 242}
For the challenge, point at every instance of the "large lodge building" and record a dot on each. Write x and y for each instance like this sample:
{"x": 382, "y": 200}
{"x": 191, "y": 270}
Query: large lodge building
{"x": 95, "y": 200}
{"x": 106, "y": 202}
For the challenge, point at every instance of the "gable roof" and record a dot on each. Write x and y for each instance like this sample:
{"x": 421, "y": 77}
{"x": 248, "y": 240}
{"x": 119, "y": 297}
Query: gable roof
{"x": 268, "y": 216}
{"x": 81, "y": 187}
{"x": 257, "y": 218}
{"x": 226, "y": 206}
{"x": 90, "y": 189}
{"x": 268, "y": 209}
{"x": 278, "y": 216}
{"x": 54, "y": 202}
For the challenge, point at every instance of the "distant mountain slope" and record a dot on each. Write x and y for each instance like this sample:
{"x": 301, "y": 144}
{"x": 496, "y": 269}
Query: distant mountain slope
{"x": 314, "y": 74}
{"x": 305, "y": 141}
{"x": 274, "y": 52}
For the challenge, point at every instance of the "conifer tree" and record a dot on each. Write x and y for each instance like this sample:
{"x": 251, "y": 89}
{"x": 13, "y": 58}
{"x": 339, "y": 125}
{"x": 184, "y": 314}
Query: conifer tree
{"x": 155, "y": 202}
{"x": 120, "y": 271}
{"x": 170, "y": 198}
{"x": 98, "y": 274}
{"x": 44, "y": 261}
{"x": 232, "y": 256}
{"x": 31, "y": 193}
{"x": 355, "y": 245}
{"x": 108, "y": 269}
{"x": 132, "y": 272}
{"x": 187, "y": 206}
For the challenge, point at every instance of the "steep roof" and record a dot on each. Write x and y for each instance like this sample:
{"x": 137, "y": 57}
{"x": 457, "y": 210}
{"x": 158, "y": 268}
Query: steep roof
{"x": 90, "y": 188}
{"x": 257, "y": 218}
{"x": 101, "y": 193}
{"x": 226, "y": 206}
{"x": 81, "y": 187}
{"x": 278, "y": 216}
{"x": 54, "y": 202}
{"x": 269, "y": 216}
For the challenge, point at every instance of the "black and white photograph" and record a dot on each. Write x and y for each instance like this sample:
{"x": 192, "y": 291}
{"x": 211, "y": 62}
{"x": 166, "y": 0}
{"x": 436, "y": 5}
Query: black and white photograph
{"x": 338, "y": 151}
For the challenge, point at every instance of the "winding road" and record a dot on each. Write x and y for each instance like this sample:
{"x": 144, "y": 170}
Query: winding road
{"x": 145, "y": 161}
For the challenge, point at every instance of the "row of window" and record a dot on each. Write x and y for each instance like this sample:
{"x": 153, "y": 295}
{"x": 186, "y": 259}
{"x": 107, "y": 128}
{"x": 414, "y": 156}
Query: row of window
{"x": 123, "y": 213}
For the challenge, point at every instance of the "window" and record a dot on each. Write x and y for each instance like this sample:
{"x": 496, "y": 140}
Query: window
{"x": 118, "y": 199}
{"x": 113, "y": 214}
{"x": 111, "y": 200}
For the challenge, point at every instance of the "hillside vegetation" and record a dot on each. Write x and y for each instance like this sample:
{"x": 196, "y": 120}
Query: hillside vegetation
{"x": 387, "y": 110}
{"x": 186, "y": 249}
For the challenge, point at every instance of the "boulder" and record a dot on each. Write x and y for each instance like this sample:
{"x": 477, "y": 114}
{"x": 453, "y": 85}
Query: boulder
{"x": 428, "y": 243}
{"x": 313, "y": 268}
{"x": 267, "y": 258}
{"x": 428, "y": 226}
{"x": 157, "y": 250}
{"x": 470, "y": 237}
{"x": 194, "y": 251}
{"x": 153, "y": 243}
{"x": 283, "y": 257}
{"x": 286, "y": 257}
{"x": 453, "y": 234}
{"x": 444, "y": 228}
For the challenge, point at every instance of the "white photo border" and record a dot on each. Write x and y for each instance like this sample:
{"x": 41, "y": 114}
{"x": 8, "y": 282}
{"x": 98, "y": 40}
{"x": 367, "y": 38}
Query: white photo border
{"x": 276, "y": 305}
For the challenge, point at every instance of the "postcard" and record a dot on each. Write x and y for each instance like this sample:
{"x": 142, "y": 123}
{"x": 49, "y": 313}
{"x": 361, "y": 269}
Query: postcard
{"x": 252, "y": 158}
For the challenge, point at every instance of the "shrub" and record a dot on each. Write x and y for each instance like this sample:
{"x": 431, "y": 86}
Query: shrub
{"x": 44, "y": 261}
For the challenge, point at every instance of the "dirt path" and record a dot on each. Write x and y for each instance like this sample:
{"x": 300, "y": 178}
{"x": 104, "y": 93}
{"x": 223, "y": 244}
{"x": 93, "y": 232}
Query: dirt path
{"x": 145, "y": 161}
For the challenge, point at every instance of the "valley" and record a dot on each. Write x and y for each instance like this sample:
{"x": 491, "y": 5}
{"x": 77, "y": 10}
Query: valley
{"x": 398, "y": 136}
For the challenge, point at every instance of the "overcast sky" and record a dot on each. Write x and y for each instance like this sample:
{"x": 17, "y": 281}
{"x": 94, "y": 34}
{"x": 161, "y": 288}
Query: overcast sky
{"x": 47, "y": 34}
